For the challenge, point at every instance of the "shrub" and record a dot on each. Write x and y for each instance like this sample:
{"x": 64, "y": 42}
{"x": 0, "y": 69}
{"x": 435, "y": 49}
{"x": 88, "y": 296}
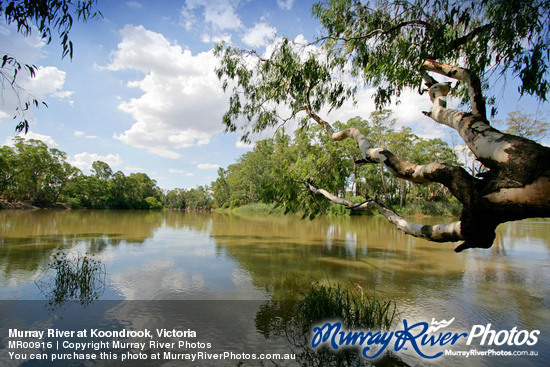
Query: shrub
{"x": 74, "y": 203}
{"x": 153, "y": 203}
{"x": 336, "y": 209}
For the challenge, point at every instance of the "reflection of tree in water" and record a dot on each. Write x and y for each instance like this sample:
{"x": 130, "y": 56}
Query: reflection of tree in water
{"x": 196, "y": 221}
{"x": 356, "y": 309}
{"x": 29, "y": 238}
{"x": 79, "y": 278}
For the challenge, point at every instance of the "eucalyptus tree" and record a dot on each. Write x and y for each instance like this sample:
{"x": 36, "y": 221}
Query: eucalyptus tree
{"x": 527, "y": 125}
{"x": 9, "y": 169}
{"x": 40, "y": 173}
{"x": 398, "y": 45}
{"x": 102, "y": 170}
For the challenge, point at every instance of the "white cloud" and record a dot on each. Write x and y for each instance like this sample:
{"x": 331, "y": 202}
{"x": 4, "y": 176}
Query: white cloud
{"x": 187, "y": 18}
{"x": 65, "y": 94}
{"x": 285, "y": 4}
{"x": 133, "y": 4}
{"x": 206, "y": 38}
{"x": 244, "y": 145}
{"x": 181, "y": 172}
{"x": 81, "y": 134}
{"x": 84, "y": 160}
{"x": 220, "y": 14}
{"x": 48, "y": 80}
{"x": 133, "y": 169}
{"x": 408, "y": 112}
{"x": 182, "y": 103}
{"x": 261, "y": 35}
{"x": 48, "y": 140}
{"x": 207, "y": 166}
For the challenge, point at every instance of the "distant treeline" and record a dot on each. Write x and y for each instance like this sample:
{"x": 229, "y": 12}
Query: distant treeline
{"x": 273, "y": 173}
{"x": 30, "y": 171}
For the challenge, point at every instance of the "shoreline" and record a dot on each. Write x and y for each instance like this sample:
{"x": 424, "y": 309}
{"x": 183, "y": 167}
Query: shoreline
{"x": 27, "y": 205}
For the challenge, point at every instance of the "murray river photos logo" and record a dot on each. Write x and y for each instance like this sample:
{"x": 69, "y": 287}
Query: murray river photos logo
{"x": 419, "y": 337}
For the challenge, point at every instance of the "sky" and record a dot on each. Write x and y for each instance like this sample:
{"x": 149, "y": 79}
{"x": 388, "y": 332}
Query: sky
{"x": 140, "y": 92}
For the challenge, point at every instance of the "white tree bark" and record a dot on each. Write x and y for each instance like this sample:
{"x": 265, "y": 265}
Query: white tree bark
{"x": 516, "y": 186}
{"x": 437, "y": 233}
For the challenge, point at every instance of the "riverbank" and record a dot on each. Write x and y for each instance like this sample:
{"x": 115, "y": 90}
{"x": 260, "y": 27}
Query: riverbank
{"x": 27, "y": 205}
{"x": 425, "y": 208}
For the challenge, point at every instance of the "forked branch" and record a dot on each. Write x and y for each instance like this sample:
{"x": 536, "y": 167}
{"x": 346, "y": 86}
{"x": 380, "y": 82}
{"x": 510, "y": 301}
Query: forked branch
{"x": 456, "y": 179}
{"x": 448, "y": 232}
{"x": 477, "y": 100}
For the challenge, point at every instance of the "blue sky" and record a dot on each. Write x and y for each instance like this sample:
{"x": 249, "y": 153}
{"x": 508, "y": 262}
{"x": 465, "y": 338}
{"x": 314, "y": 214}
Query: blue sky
{"x": 140, "y": 92}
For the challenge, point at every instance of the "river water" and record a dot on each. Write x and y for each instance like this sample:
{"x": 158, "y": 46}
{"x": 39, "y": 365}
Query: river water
{"x": 215, "y": 259}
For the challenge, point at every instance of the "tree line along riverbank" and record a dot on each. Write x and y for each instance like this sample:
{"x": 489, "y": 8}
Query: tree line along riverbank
{"x": 269, "y": 178}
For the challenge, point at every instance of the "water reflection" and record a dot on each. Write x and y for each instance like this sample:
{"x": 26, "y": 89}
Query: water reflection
{"x": 79, "y": 279}
{"x": 182, "y": 256}
{"x": 29, "y": 239}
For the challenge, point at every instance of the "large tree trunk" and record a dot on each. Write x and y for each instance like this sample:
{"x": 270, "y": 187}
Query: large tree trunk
{"x": 516, "y": 185}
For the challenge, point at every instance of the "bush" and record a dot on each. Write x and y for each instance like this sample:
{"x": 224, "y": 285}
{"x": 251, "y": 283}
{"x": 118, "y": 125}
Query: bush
{"x": 153, "y": 203}
{"x": 235, "y": 203}
{"x": 74, "y": 203}
{"x": 337, "y": 209}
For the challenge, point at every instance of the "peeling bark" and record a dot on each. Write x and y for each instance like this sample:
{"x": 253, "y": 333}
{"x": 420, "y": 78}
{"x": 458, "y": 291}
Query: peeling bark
{"x": 516, "y": 186}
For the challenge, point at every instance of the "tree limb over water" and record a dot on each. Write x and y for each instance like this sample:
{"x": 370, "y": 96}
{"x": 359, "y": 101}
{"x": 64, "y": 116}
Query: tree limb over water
{"x": 437, "y": 233}
{"x": 396, "y": 45}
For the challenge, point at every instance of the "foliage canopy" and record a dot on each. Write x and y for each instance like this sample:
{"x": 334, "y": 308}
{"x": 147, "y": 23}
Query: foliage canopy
{"x": 394, "y": 45}
{"x": 385, "y": 43}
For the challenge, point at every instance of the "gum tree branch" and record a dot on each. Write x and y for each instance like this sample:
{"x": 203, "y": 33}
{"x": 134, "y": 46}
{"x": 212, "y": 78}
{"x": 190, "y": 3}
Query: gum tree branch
{"x": 477, "y": 100}
{"x": 448, "y": 232}
{"x": 456, "y": 179}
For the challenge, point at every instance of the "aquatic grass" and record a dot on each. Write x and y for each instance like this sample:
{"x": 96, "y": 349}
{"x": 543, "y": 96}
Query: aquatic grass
{"x": 80, "y": 278}
{"x": 353, "y": 306}
{"x": 356, "y": 308}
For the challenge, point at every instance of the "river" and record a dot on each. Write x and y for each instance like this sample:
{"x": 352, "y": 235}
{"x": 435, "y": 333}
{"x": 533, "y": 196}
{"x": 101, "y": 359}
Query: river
{"x": 217, "y": 258}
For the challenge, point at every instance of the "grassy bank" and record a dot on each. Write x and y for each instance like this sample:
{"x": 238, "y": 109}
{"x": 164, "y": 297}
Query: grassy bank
{"x": 251, "y": 209}
{"x": 451, "y": 208}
